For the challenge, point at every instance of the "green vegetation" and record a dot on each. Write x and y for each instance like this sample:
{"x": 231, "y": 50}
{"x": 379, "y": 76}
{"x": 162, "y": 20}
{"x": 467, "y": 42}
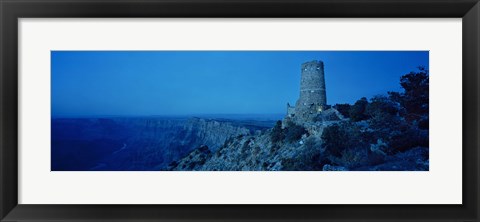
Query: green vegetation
{"x": 344, "y": 109}
{"x": 310, "y": 158}
{"x": 357, "y": 111}
{"x": 294, "y": 132}
{"x": 277, "y": 134}
{"x": 385, "y": 132}
{"x": 390, "y": 125}
{"x": 339, "y": 137}
{"x": 291, "y": 133}
{"x": 414, "y": 100}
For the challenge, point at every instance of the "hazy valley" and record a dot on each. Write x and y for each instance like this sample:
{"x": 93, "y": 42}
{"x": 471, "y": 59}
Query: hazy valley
{"x": 142, "y": 143}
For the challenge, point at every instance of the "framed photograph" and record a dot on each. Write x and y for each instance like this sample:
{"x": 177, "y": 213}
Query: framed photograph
{"x": 225, "y": 110}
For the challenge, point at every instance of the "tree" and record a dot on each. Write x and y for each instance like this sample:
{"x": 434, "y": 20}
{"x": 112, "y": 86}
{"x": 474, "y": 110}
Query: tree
{"x": 381, "y": 105}
{"x": 416, "y": 87}
{"x": 415, "y": 97}
{"x": 382, "y": 113}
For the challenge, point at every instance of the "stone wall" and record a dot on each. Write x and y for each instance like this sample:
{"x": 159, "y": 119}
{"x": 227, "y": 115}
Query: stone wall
{"x": 313, "y": 98}
{"x": 290, "y": 110}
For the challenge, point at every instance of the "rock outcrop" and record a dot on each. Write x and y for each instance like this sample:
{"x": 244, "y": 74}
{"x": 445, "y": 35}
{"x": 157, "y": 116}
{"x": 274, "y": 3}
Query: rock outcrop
{"x": 257, "y": 153}
{"x": 292, "y": 147}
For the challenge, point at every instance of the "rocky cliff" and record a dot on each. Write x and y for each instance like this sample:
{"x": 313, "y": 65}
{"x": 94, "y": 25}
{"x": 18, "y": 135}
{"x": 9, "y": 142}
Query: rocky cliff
{"x": 307, "y": 146}
{"x": 255, "y": 153}
{"x": 133, "y": 143}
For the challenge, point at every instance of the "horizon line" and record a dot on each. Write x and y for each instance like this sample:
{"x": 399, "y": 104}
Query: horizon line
{"x": 166, "y": 115}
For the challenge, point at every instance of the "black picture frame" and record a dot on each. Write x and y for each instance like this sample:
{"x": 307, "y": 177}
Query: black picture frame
{"x": 12, "y": 10}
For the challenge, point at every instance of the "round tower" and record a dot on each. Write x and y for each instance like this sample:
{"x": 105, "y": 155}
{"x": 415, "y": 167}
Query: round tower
{"x": 313, "y": 97}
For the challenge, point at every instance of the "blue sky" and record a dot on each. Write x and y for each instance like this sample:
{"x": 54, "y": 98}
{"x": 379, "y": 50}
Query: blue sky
{"x": 138, "y": 83}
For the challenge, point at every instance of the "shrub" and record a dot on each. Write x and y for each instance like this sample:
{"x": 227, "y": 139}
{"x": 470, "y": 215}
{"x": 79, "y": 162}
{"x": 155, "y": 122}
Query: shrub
{"x": 344, "y": 109}
{"x": 277, "y": 133}
{"x": 423, "y": 123}
{"x": 357, "y": 111}
{"x": 339, "y": 137}
{"x": 375, "y": 158}
{"x": 333, "y": 138}
{"x": 357, "y": 158}
{"x": 305, "y": 160}
{"x": 294, "y": 132}
{"x": 381, "y": 105}
{"x": 312, "y": 144}
{"x": 288, "y": 164}
{"x": 172, "y": 165}
{"x": 265, "y": 165}
{"x": 398, "y": 133}
{"x": 274, "y": 148}
{"x": 352, "y": 158}
{"x": 401, "y": 141}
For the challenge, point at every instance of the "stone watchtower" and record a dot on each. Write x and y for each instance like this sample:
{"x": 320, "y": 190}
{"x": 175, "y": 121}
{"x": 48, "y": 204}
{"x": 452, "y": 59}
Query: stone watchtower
{"x": 313, "y": 97}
